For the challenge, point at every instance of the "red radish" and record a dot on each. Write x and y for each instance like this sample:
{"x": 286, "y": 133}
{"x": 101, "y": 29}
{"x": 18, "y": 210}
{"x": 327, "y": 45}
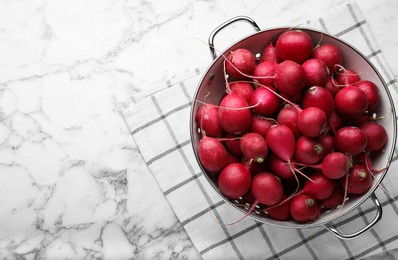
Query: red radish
{"x": 267, "y": 189}
{"x": 234, "y": 180}
{"x": 308, "y": 150}
{"x": 212, "y": 154}
{"x": 254, "y": 147}
{"x": 207, "y": 120}
{"x": 265, "y": 102}
{"x": 359, "y": 180}
{"x": 232, "y": 143}
{"x": 334, "y": 122}
{"x": 280, "y": 212}
{"x": 333, "y": 200}
{"x": 376, "y": 136}
{"x": 319, "y": 188}
{"x": 304, "y": 209}
{"x": 243, "y": 89}
{"x": 346, "y": 77}
{"x": 312, "y": 121}
{"x": 231, "y": 158}
{"x": 329, "y": 54}
{"x": 294, "y": 45}
{"x": 365, "y": 159}
{"x": 265, "y": 73}
{"x": 319, "y": 97}
{"x": 350, "y": 139}
{"x": 255, "y": 167}
{"x": 316, "y": 73}
{"x": 290, "y": 78}
{"x": 280, "y": 167}
{"x": 288, "y": 116}
{"x": 332, "y": 86}
{"x": 371, "y": 91}
{"x": 239, "y": 62}
{"x": 234, "y": 114}
{"x": 269, "y": 54}
{"x": 336, "y": 165}
{"x": 351, "y": 101}
{"x": 260, "y": 124}
{"x": 280, "y": 140}
{"x": 328, "y": 144}
{"x": 296, "y": 99}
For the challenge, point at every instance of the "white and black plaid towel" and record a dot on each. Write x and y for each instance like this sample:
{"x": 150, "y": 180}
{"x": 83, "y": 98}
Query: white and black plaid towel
{"x": 160, "y": 127}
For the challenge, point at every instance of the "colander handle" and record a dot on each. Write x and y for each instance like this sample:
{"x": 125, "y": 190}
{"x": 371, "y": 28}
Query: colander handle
{"x": 379, "y": 213}
{"x": 220, "y": 27}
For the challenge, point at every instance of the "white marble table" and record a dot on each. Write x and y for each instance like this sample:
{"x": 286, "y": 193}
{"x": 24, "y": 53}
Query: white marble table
{"x": 72, "y": 182}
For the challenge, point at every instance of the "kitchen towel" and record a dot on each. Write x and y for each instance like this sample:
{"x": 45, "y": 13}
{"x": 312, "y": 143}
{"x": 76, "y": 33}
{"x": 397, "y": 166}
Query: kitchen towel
{"x": 159, "y": 125}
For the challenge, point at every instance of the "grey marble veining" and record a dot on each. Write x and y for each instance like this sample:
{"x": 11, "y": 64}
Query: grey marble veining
{"x": 72, "y": 182}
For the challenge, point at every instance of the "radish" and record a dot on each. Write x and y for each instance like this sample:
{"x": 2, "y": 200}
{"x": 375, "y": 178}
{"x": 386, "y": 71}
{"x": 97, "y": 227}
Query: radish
{"x": 260, "y": 124}
{"x": 280, "y": 140}
{"x": 320, "y": 188}
{"x": 231, "y": 158}
{"x": 350, "y": 139}
{"x": 351, "y": 101}
{"x": 288, "y": 116}
{"x": 359, "y": 180}
{"x": 267, "y": 189}
{"x": 304, "y": 209}
{"x": 234, "y": 180}
{"x": 234, "y": 114}
{"x": 239, "y": 62}
{"x": 212, "y": 154}
{"x": 265, "y": 102}
{"x": 308, "y": 150}
{"x": 372, "y": 93}
{"x": 290, "y": 78}
{"x": 376, "y": 136}
{"x": 319, "y": 97}
{"x": 243, "y": 89}
{"x": 312, "y": 121}
{"x": 294, "y": 45}
{"x": 333, "y": 86}
{"x": 281, "y": 212}
{"x": 329, "y": 54}
{"x": 255, "y": 167}
{"x": 296, "y": 99}
{"x": 336, "y": 165}
{"x": 333, "y": 200}
{"x": 346, "y": 77}
{"x": 334, "y": 122}
{"x": 269, "y": 54}
{"x": 232, "y": 143}
{"x": 280, "y": 167}
{"x": 316, "y": 73}
{"x": 328, "y": 144}
{"x": 254, "y": 147}
{"x": 207, "y": 119}
{"x": 264, "y": 73}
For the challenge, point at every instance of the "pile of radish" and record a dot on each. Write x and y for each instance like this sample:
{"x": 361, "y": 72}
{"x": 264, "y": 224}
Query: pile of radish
{"x": 295, "y": 133}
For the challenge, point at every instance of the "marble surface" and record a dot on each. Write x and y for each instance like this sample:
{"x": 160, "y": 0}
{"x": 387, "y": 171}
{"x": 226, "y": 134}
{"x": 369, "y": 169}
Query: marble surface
{"x": 72, "y": 182}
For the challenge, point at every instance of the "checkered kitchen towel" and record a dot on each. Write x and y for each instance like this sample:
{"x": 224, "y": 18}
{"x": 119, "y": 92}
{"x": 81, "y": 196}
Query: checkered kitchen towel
{"x": 159, "y": 125}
